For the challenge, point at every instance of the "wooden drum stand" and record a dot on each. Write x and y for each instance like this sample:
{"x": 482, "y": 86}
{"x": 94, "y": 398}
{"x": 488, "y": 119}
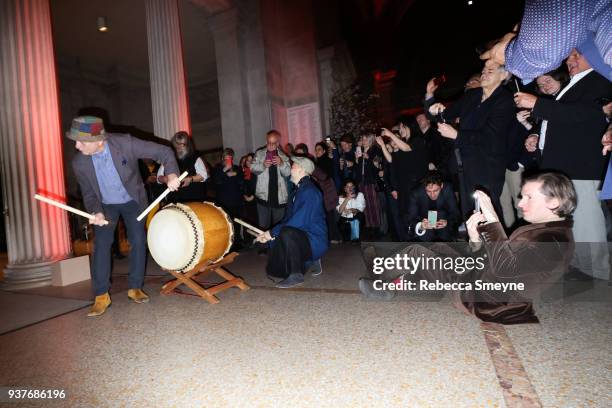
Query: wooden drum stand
{"x": 204, "y": 267}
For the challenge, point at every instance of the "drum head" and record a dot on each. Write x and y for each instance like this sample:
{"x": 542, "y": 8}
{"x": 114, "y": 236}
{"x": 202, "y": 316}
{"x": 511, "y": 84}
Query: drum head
{"x": 175, "y": 238}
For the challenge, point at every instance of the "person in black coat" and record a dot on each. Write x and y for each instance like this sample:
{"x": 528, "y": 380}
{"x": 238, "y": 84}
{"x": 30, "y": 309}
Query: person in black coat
{"x": 408, "y": 164}
{"x": 248, "y": 188}
{"x": 433, "y": 195}
{"x": 485, "y": 115}
{"x": 548, "y": 86}
{"x": 570, "y": 141}
{"x": 228, "y": 180}
{"x": 439, "y": 149}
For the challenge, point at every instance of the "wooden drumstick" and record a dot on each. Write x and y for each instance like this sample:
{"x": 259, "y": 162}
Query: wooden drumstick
{"x": 250, "y": 228}
{"x": 66, "y": 207}
{"x": 158, "y": 199}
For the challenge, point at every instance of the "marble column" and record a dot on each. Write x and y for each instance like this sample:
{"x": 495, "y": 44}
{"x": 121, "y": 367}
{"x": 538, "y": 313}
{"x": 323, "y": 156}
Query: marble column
{"x": 30, "y": 144}
{"x": 230, "y": 79}
{"x": 326, "y": 82}
{"x": 292, "y": 70}
{"x": 166, "y": 67}
{"x": 241, "y": 77}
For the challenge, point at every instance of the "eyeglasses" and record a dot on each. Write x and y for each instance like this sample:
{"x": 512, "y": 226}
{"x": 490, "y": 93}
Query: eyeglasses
{"x": 181, "y": 144}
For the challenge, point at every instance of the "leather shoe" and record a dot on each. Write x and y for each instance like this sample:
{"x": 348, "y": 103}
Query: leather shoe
{"x": 100, "y": 305}
{"x": 138, "y": 295}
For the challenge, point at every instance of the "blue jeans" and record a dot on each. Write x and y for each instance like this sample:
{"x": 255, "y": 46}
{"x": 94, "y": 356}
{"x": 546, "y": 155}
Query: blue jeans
{"x": 354, "y": 229}
{"x": 104, "y": 237}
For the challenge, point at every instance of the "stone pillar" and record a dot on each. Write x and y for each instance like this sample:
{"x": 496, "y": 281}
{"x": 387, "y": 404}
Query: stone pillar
{"x": 336, "y": 71}
{"x": 258, "y": 96}
{"x": 30, "y": 144}
{"x": 292, "y": 70}
{"x": 231, "y": 81}
{"x": 167, "y": 72}
{"x": 326, "y": 70}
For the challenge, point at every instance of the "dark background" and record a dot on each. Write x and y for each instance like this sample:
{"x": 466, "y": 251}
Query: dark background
{"x": 419, "y": 39}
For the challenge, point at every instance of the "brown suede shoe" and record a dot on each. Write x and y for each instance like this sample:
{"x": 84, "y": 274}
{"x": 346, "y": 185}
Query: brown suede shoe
{"x": 138, "y": 295}
{"x": 99, "y": 307}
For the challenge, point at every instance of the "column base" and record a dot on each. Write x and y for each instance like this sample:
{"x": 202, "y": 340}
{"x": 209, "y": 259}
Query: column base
{"x": 27, "y": 276}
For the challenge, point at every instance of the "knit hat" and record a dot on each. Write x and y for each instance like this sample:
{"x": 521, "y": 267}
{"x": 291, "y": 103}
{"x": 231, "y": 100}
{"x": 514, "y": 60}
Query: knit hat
{"x": 305, "y": 163}
{"x": 86, "y": 129}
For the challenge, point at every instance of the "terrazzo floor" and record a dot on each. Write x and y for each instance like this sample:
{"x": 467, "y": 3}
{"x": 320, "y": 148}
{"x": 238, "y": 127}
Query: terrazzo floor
{"x": 321, "y": 345}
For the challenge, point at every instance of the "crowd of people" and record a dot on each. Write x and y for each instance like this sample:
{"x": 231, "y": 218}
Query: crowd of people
{"x": 416, "y": 180}
{"x": 505, "y": 156}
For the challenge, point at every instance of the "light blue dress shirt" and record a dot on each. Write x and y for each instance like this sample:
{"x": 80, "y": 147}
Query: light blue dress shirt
{"x": 111, "y": 187}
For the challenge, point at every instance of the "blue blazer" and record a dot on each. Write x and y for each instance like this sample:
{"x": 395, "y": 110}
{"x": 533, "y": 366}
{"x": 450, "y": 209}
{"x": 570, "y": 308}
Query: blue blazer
{"x": 305, "y": 211}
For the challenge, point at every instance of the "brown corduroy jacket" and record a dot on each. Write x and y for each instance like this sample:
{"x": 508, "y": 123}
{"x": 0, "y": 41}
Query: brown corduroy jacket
{"x": 536, "y": 255}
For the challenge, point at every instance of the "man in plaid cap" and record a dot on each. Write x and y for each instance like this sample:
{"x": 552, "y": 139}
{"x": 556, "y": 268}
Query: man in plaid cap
{"x": 109, "y": 178}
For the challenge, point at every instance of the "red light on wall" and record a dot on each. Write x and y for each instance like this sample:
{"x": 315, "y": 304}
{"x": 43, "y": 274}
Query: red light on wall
{"x": 385, "y": 75}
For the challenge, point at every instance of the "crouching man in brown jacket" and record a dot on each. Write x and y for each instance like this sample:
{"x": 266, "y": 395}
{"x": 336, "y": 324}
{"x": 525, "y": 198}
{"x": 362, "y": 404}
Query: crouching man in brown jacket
{"x": 534, "y": 255}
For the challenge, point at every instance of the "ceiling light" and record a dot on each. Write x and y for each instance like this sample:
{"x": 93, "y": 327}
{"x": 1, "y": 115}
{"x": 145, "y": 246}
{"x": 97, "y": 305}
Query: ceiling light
{"x": 102, "y": 27}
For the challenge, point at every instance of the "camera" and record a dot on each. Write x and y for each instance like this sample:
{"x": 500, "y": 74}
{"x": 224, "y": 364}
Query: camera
{"x": 439, "y": 118}
{"x": 440, "y": 80}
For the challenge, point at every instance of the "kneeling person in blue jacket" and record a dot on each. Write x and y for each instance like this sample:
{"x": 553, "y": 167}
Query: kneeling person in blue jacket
{"x": 301, "y": 237}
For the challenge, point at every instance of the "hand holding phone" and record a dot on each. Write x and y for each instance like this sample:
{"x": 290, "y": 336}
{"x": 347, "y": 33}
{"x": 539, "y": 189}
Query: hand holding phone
{"x": 432, "y": 218}
{"x": 484, "y": 205}
{"x": 476, "y": 203}
{"x": 270, "y": 154}
{"x": 358, "y": 152}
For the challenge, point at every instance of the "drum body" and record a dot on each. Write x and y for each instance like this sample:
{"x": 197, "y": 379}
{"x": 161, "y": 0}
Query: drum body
{"x": 180, "y": 236}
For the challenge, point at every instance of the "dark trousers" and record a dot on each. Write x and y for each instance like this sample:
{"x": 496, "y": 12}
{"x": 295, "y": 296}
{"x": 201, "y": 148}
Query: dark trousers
{"x": 269, "y": 216}
{"x": 104, "y": 237}
{"x": 332, "y": 225}
{"x": 396, "y": 226}
{"x": 289, "y": 253}
{"x": 345, "y": 226}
